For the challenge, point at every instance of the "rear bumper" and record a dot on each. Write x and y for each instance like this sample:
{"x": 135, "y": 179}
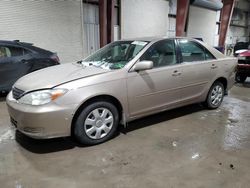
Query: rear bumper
{"x": 42, "y": 122}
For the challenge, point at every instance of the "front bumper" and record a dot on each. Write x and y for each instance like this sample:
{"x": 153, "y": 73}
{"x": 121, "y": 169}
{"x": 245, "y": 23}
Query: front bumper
{"x": 41, "y": 122}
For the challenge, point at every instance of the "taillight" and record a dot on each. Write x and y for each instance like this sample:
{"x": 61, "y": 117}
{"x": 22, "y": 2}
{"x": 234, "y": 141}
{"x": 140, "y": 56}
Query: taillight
{"x": 55, "y": 58}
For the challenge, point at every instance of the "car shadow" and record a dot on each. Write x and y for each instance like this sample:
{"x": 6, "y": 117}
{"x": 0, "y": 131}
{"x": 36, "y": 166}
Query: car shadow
{"x": 66, "y": 143}
{"x": 45, "y": 146}
{"x": 246, "y": 85}
{"x": 2, "y": 97}
{"x": 161, "y": 117}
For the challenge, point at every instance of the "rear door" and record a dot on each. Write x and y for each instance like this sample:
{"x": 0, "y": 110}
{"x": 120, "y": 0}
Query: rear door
{"x": 198, "y": 67}
{"x": 14, "y": 63}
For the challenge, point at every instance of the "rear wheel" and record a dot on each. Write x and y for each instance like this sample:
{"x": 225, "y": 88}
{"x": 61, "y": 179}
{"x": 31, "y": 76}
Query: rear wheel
{"x": 96, "y": 123}
{"x": 215, "y": 95}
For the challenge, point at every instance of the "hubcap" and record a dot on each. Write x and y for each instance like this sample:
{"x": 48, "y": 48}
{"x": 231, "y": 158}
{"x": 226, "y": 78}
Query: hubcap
{"x": 98, "y": 123}
{"x": 216, "y": 96}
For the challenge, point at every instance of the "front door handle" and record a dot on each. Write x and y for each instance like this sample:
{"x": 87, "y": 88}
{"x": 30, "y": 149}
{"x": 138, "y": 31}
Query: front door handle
{"x": 176, "y": 73}
{"x": 214, "y": 66}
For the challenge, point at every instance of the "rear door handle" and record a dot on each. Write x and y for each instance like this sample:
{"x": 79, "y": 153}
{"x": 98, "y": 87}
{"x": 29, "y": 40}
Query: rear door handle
{"x": 176, "y": 73}
{"x": 24, "y": 61}
{"x": 214, "y": 66}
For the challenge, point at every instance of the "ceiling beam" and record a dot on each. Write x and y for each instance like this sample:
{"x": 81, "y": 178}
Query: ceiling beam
{"x": 226, "y": 14}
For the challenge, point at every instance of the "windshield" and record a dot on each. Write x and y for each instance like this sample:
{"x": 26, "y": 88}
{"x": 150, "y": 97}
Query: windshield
{"x": 115, "y": 55}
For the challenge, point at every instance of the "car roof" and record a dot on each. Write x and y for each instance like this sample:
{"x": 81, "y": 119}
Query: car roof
{"x": 211, "y": 49}
{"x": 153, "y": 39}
{"x": 24, "y": 44}
{"x": 15, "y": 42}
{"x": 148, "y": 39}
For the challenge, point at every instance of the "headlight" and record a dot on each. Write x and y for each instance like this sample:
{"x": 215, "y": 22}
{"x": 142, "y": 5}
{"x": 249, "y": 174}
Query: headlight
{"x": 41, "y": 97}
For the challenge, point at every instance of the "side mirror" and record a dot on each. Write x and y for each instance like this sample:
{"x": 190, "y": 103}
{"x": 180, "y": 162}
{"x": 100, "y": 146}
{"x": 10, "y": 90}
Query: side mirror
{"x": 143, "y": 65}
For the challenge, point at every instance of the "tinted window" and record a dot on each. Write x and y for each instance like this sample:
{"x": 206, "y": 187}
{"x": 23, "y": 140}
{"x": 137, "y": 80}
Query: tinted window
{"x": 161, "y": 53}
{"x": 191, "y": 51}
{"x": 7, "y": 51}
{"x": 16, "y": 51}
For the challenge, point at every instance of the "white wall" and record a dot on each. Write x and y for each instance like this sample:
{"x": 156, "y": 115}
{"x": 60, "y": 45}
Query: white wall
{"x": 236, "y": 34}
{"x": 143, "y": 18}
{"x": 53, "y": 25}
{"x": 202, "y": 24}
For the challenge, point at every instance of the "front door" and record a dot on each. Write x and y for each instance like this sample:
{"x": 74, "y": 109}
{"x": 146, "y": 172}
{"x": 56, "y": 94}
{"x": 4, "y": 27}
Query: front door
{"x": 13, "y": 65}
{"x": 155, "y": 89}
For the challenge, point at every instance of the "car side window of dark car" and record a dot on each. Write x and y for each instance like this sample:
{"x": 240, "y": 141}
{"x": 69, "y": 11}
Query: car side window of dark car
{"x": 17, "y": 51}
{"x": 161, "y": 53}
{"x": 191, "y": 51}
{"x": 10, "y": 51}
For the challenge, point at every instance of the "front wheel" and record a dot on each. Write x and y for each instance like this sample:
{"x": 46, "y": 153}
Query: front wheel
{"x": 96, "y": 123}
{"x": 215, "y": 95}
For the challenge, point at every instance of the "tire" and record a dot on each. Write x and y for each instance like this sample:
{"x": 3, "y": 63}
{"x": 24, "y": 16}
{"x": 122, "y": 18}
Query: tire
{"x": 240, "y": 78}
{"x": 96, "y": 123}
{"x": 215, "y": 95}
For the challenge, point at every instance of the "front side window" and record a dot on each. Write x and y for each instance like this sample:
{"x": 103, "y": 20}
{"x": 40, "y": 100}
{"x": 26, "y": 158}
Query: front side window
{"x": 191, "y": 51}
{"x": 209, "y": 56}
{"x": 161, "y": 53}
{"x": 115, "y": 55}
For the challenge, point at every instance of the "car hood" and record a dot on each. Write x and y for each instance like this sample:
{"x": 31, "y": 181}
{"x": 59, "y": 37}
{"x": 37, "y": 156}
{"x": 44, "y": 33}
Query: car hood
{"x": 56, "y": 75}
{"x": 245, "y": 54}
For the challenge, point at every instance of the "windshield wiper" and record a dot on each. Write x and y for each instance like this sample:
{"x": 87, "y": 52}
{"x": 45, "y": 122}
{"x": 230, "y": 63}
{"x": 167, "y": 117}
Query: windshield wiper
{"x": 79, "y": 62}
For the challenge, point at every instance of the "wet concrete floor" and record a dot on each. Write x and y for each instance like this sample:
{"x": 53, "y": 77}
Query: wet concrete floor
{"x": 186, "y": 147}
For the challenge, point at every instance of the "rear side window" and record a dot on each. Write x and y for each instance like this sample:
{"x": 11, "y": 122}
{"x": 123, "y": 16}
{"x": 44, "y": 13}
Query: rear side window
{"x": 191, "y": 51}
{"x": 15, "y": 51}
{"x": 9, "y": 51}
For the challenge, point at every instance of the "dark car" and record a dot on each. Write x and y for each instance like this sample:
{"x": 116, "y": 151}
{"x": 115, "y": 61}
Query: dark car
{"x": 240, "y": 46}
{"x": 243, "y": 68}
{"x": 19, "y": 58}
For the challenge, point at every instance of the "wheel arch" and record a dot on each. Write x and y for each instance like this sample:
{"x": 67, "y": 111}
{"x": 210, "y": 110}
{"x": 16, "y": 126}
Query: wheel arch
{"x": 106, "y": 98}
{"x": 222, "y": 80}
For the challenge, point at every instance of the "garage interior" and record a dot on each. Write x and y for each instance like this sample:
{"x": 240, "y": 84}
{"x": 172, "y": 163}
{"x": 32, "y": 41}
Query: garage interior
{"x": 186, "y": 147}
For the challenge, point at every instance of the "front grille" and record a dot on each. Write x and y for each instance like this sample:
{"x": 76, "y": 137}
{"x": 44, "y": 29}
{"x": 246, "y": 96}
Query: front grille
{"x": 17, "y": 93}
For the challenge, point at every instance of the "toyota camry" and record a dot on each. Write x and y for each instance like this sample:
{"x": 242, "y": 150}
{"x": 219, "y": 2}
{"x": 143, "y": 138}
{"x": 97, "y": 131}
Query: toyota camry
{"x": 121, "y": 82}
